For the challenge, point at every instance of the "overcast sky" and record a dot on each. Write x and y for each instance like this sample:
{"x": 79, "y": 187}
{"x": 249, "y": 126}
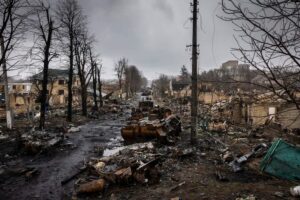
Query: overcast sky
{"x": 153, "y": 34}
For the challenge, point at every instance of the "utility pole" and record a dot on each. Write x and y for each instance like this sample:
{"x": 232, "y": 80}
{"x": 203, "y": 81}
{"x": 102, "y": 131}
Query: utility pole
{"x": 6, "y": 89}
{"x": 194, "y": 100}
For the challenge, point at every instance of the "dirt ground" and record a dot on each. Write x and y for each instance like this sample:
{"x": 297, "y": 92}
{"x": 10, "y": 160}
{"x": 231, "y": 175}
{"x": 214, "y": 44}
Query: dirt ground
{"x": 199, "y": 175}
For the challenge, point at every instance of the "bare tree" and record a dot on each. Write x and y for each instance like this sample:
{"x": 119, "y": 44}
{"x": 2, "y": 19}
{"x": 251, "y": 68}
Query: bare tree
{"x": 268, "y": 39}
{"x": 133, "y": 80}
{"x": 94, "y": 73}
{"x": 96, "y": 77}
{"x": 70, "y": 16}
{"x": 120, "y": 69}
{"x": 38, "y": 88}
{"x": 161, "y": 85}
{"x": 13, "y": 15}
{"x": 82, "y": 53}
{"x": 12, "y": 26}
{"x": 43, "y": 28}
{"x": 228, "y": 80}
{"x": 93, "y": 64}
{"x": 186, "y": 77}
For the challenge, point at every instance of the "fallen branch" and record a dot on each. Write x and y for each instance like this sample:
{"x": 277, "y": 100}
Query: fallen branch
{"x": 177, "y": 186}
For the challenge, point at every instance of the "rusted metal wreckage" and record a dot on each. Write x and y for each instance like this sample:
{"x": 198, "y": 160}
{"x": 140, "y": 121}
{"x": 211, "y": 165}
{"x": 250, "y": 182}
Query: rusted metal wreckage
{"x": 149, "y": 122}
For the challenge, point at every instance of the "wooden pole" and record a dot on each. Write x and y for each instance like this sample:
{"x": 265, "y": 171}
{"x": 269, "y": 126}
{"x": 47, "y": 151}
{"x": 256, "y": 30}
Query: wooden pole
{"x": 194, "y": 100}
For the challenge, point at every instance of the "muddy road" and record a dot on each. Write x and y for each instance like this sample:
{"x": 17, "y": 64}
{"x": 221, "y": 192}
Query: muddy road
{"x": 64, "y": 162}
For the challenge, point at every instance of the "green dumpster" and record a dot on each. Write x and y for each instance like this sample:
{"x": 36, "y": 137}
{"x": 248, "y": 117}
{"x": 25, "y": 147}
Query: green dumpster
{"x": 282, "y": 160}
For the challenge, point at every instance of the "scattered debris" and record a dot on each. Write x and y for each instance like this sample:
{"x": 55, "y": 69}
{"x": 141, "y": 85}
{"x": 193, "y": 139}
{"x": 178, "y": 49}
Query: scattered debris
{"x": 74, "y": 130}
{"x": 99, "y": 167}
{"x": 295, "y": 191}
{"x": 39, "y": 141}
{"x": 32, "y": 173}
{"x": 177, "y": 186}
{"x": 250, "y": 197}
{"x": 220, "y": 176}
{"x": 3, "y": 137}
{"x": 227, "y": 156}
{"x": 92, "y": 187}
{"x": 279, "y": 194}
{"x": 176, "y": 198}
{"x": 218, "y": 126}
{"x": 168, "y": 160}
{"x": 123, "y": 175}
{"x": 236, "y": 163}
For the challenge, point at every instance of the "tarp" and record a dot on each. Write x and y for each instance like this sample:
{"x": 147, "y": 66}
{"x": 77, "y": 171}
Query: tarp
{"x": 282, "y": 160}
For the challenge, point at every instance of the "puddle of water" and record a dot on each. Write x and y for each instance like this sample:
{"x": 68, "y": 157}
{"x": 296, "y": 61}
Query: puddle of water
{"x": 4, "y": 137}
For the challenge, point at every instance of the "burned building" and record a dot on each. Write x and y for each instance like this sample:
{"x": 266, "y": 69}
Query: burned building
{"x": 57, "y": 88}
{"x": 21, "y": 100}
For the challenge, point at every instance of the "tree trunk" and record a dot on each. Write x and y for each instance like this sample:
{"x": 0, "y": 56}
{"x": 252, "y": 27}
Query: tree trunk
{"x": 127, "y": 95}
{"x": 44, "y": 95}
{"x": 120, "y": 87}
{"x": 70, "y": 83}
{"x": 83, "y": 91}
{"x": 100, "y": 88}
{"x": 9, "y": 115}
{"x": 95, "y": 86}
{"x": 100, "y": 94}
{"x": 45, "y": 76}
{"x": 84, "y": 100}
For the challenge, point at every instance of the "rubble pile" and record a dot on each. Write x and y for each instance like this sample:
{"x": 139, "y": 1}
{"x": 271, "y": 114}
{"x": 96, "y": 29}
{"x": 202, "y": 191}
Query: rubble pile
{"x": 141, "y": 163}
{"x": 227, "y": 159}
{"x": 9, "y": 145}
{"x": 111, "y": 107}
{"x": 37, "y": 141}
{"x": 244, "y": 148}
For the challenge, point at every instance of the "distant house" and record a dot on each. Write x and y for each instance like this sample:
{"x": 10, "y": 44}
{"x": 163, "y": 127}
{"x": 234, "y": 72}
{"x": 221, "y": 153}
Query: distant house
{"x": 21, "y": 100}
{"x": 17, "y": 87}
{"x": 234, "y": 70}
{"x": 57, "y": 88}
{"x": 260, "y": 108}
{"x": 270, "y": 107}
